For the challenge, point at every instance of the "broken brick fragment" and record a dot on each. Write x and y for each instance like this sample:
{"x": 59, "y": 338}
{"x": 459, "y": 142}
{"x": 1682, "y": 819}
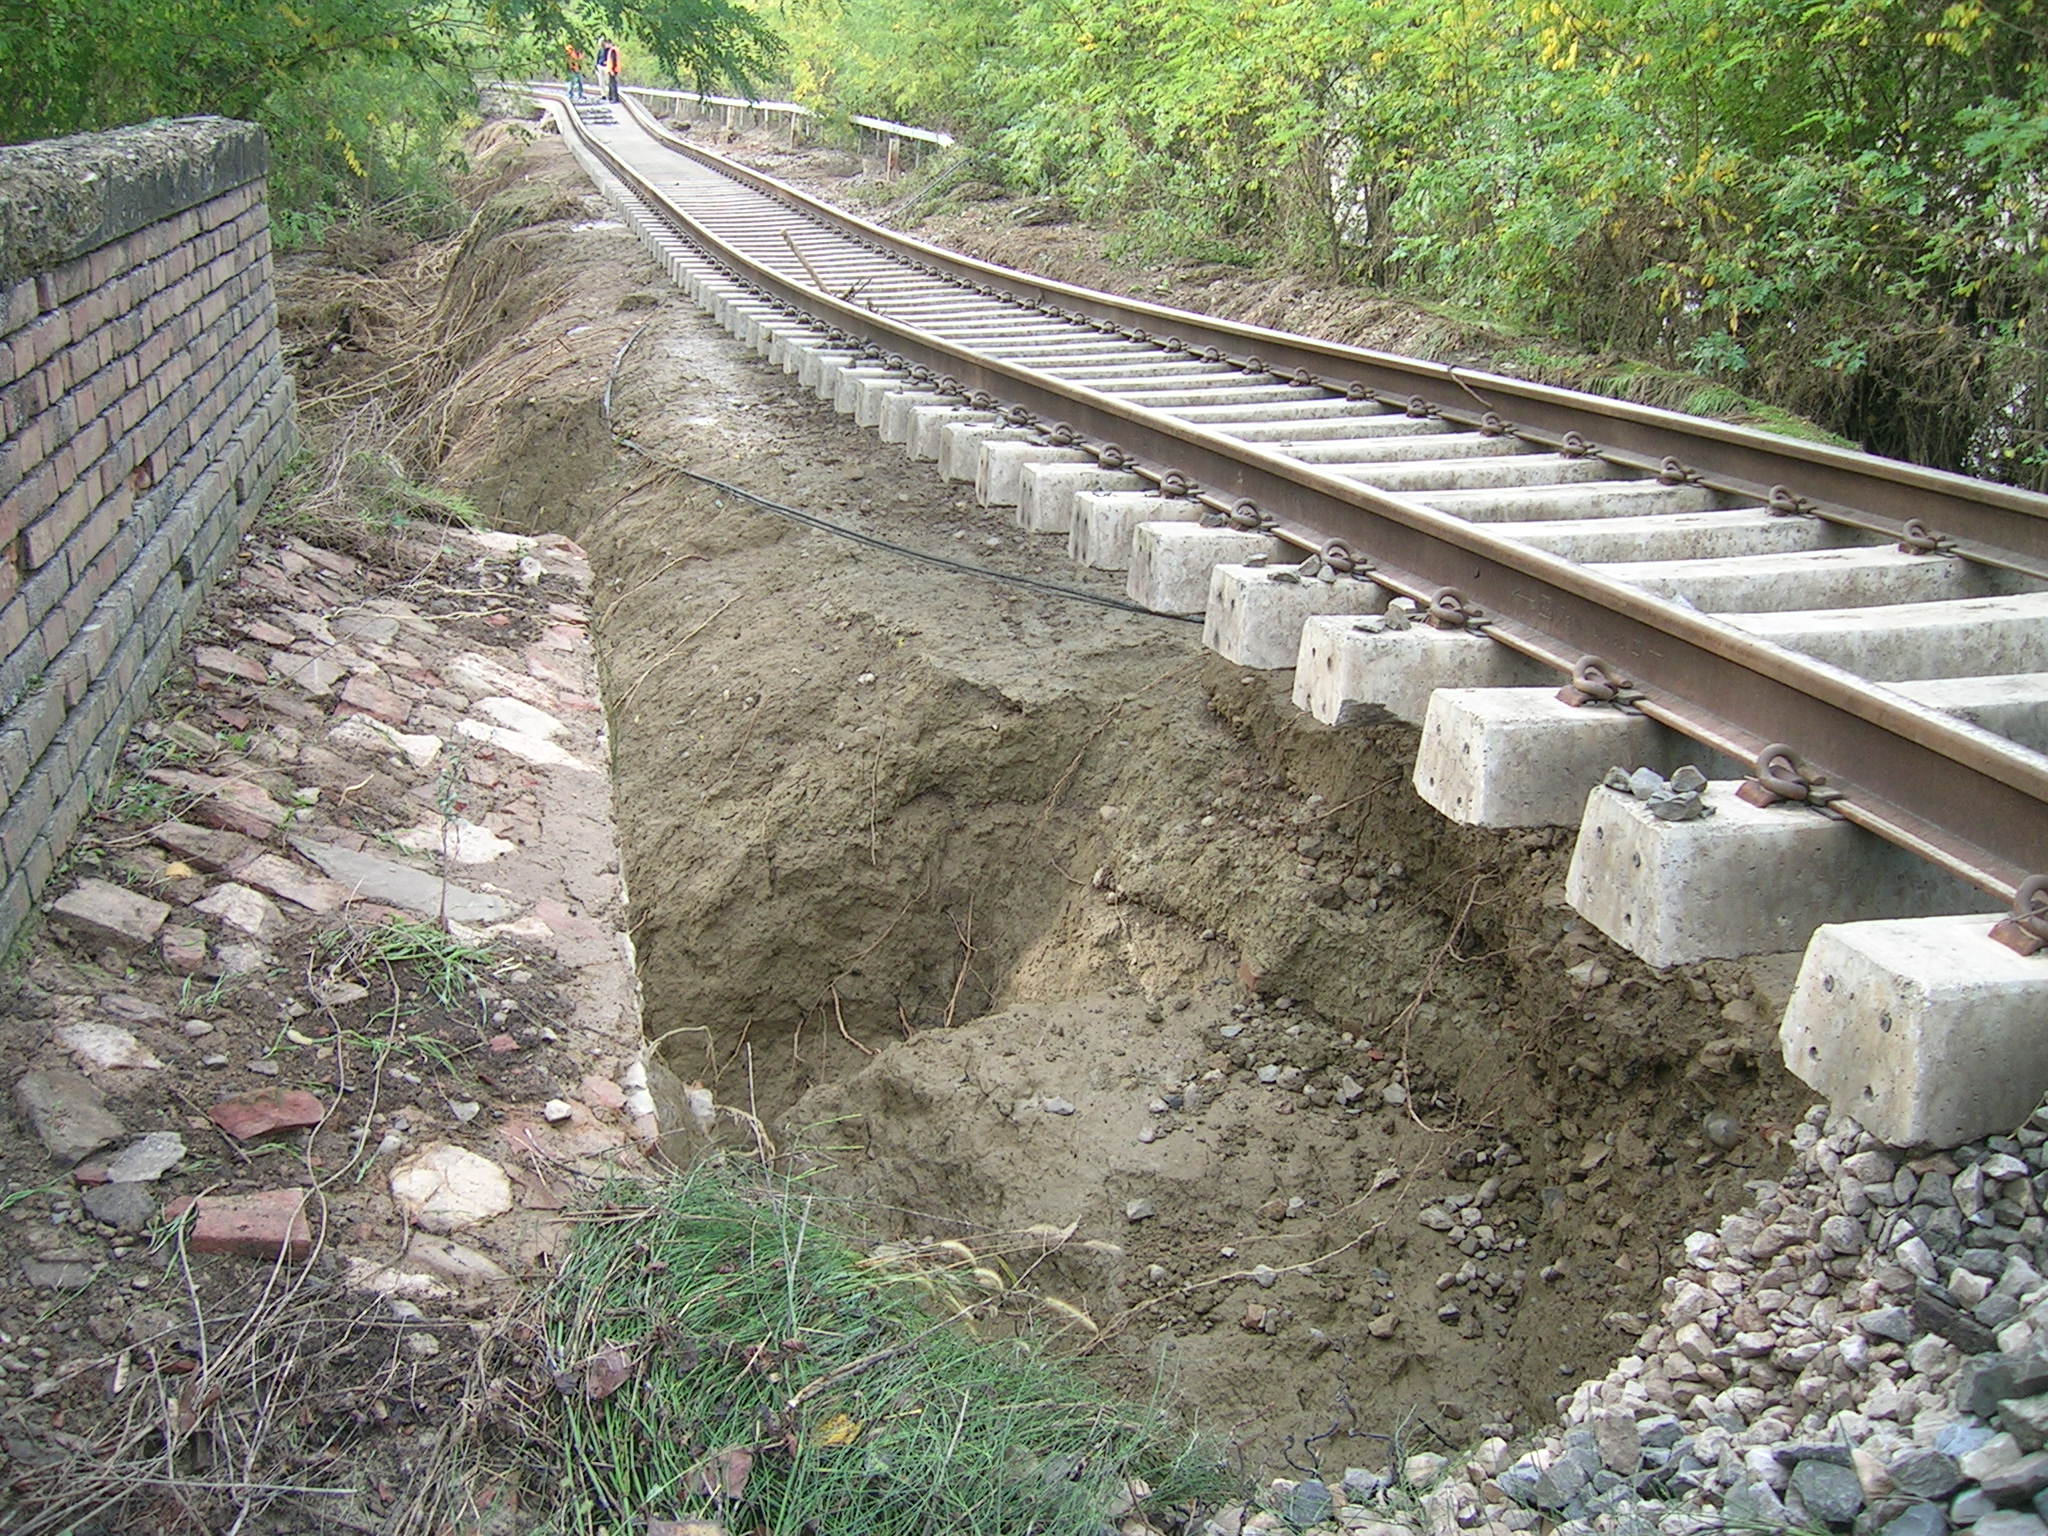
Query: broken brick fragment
{"x": 263, "y": 1225}
{"x": 267, "y": 1110}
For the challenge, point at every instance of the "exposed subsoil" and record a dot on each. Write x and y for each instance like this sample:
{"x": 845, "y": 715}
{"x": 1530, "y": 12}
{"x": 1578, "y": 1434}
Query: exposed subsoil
{"x": 998, "y": 910}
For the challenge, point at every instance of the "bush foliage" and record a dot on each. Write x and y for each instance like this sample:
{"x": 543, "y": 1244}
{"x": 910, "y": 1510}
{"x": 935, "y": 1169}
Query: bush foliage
{"x": 1837, "y": 205}
{"x": 360, "y": 96}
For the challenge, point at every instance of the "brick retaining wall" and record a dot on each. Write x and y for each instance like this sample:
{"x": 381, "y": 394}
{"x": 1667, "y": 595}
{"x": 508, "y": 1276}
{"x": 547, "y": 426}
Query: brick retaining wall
{"x": 144, "y": 413}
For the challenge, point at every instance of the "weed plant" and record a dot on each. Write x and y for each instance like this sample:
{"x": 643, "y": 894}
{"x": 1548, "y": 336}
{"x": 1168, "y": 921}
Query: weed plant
{"x": 722, "y": 1354}
{"x": 350, "y": 491}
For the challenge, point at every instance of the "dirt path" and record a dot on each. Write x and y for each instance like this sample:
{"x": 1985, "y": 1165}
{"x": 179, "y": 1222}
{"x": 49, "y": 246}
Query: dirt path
{"x": 999, "y": 911}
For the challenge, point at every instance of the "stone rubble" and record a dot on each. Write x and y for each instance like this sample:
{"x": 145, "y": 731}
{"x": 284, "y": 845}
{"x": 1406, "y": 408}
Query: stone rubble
{"x": 191, "y": 1046}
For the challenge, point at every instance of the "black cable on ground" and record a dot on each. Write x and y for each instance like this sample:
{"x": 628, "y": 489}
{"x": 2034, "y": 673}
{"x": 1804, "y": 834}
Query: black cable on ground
{"x": 840, "y": 530}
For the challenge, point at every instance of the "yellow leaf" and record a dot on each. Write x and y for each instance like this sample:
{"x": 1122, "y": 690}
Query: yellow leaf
{"x": 840, "y": 1429}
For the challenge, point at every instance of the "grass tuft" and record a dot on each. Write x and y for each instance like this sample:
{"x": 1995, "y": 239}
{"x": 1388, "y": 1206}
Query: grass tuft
{"x": 446, "y": 965}
{"x": 722, "y": 1355}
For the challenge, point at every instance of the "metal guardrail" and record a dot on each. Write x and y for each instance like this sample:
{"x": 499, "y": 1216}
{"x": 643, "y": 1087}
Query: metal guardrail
{"x": 794, "y": 109}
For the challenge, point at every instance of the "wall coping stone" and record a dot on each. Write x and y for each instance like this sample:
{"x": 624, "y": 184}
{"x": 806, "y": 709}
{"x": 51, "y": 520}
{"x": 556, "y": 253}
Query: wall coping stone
{"x": 60, "y": 198}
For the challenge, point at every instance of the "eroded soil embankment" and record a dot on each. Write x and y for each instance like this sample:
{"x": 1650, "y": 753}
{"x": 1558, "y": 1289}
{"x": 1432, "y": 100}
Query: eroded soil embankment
{"x": 1013, "y": 910}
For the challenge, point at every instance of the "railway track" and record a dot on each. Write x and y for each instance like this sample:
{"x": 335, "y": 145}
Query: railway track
{"x": 1856, "y": 649}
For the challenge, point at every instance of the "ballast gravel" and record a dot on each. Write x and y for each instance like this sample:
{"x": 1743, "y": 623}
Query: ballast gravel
{"x": 1863, "y": 1348}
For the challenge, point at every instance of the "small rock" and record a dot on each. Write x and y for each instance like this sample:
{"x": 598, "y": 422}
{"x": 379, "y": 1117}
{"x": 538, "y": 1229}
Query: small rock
{"x": 1933, "y": 1315}
{"x": 443, "y": 1188}
{"x": 228, "y": 805}
{"x": 207, "y": 848}
{"x": 2011, "y": 1522}
{"x": 146, "y": 1159}
{"x": 128, "y": 1206}
{"x": 183, "y": 949}
{"x": 222, "y": 662}
{"x": 1985, "y": 1381}
{"x": 1888, "y": 1323}
{"x": 1829, "y": 1493}
{"x": 366, "y": 697}
{"x": 68, "y": 1114}
{"x": 451, "y": 1261}
{"x": 602, "y": 1093}
{"x": 1307, "y": 1503}
{"x": 1918, "y": 1520}
{"x": 1140, "y": 1210}
{"x": 1621, "y": 1446}
{"x": 1842, "y": 1235}
{"x": 1871, "y": 1167}
{"x": 1924, "y": 1474}
{"x": 106, "y": 1047}
{"x": 1423, "y": 1468}
{"x": 58, "y": 1272}
{"x": 1751, "y": 1505}
{"x": 2026, "y": 1419}
{"x": 106, "y": 916}
{"x": 1970, "y": 1506}
{"x": 1588, "y": 974}
{"x": 1994, "y": 1455}
{"x": 1721, "y": 1128}
{"x": 316, "y": 674}
{"x": 557, "y": 1111}
{"x": 242, "y": 907}
{"x": 281, "y": 878}
{"x": 2017, "y": 1481}
{"x": 1056, "y": 1106}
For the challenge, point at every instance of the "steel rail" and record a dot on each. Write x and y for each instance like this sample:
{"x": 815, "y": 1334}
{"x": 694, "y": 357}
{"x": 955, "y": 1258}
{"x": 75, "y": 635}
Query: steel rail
{"x": 1882, "y": 757}
{"x": 1929, "y": 508}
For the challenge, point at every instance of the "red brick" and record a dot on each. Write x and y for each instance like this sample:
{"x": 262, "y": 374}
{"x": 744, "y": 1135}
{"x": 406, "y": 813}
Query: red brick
{"x": 95, "y": 532}
{"x": 223, "y": 662}
{"x": 265, "y": 1225}
{"x": 37, "y": 342}
{"x": 231, "y": 805}
{"x": 31, "y": 499}
{"x": 266, "y": 1111}
{"x": 359, "y": 693}
{"x": 43, "y": 537}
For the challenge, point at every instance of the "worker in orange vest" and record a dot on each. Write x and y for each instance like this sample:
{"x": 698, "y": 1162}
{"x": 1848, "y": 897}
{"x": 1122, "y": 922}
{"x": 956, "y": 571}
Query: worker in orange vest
{"x": 608, "y": 66}
{"x": 575, "y": 57}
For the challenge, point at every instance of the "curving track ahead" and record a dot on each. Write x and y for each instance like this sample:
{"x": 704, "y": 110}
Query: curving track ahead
{"x": 1871, "y": 635}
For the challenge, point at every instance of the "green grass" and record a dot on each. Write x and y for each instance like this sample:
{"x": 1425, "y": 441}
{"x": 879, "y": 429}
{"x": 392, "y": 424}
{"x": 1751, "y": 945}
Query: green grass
{"x": 445, "y": 965}
{"x": 765, "y": 1374}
